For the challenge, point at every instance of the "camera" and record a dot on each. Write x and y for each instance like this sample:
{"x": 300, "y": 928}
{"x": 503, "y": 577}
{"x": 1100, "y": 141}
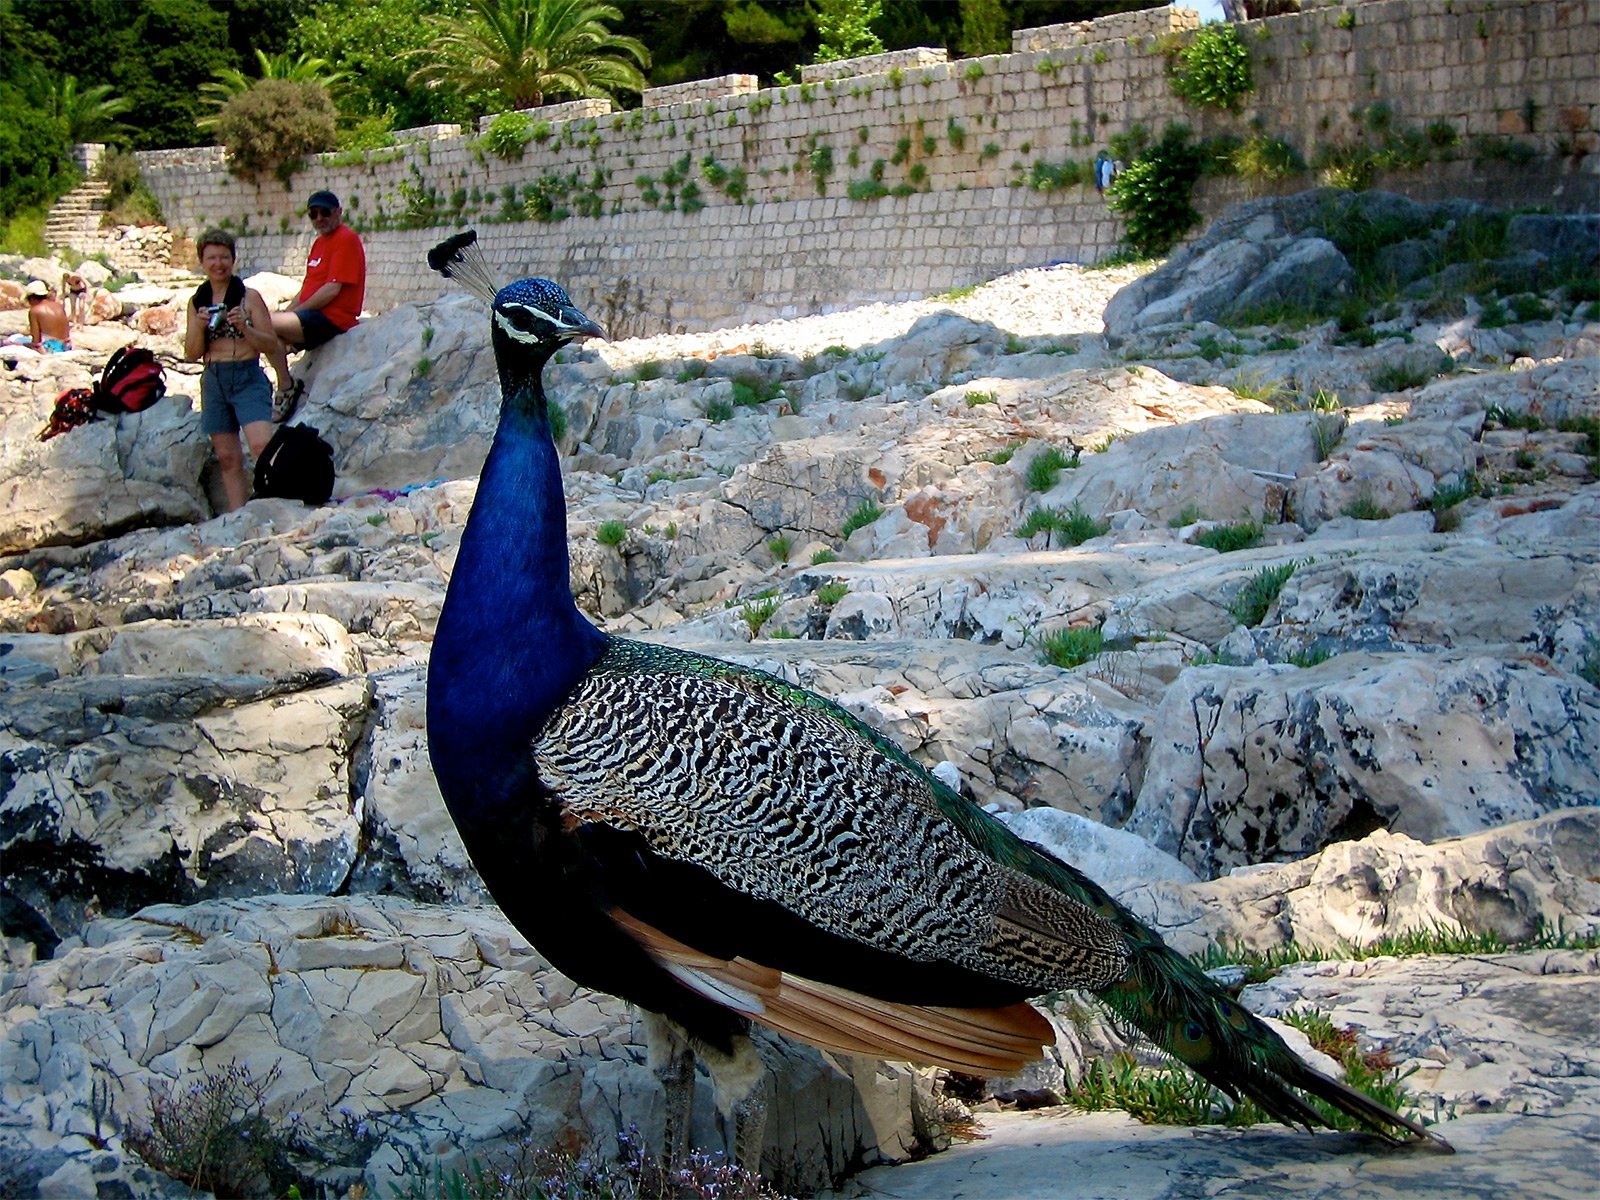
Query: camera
{"x": 216, "y": 318}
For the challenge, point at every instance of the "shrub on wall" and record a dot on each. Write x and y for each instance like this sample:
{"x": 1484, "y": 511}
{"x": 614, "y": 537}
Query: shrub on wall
{"x": 1213, "y": 70}
{"x": 507, "y": 136}
{"x": 129, "y": 201}
{"x": 1153, "y": 193}
{"x": 274, "y": 126}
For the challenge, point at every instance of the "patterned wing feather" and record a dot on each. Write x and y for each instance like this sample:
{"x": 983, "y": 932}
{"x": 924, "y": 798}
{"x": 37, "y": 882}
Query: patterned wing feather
{"x": 786, "y": 800}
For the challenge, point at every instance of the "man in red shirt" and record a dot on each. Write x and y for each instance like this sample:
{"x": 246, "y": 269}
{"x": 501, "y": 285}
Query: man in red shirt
{"x": 330, "y": 298}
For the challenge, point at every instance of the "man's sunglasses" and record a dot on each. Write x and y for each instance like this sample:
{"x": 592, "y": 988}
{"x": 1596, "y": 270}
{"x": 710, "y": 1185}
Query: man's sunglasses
{"x": 319, "y": 212}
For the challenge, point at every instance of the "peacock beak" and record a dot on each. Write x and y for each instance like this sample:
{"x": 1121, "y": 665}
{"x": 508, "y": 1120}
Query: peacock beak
{"x": 575, "y": 325}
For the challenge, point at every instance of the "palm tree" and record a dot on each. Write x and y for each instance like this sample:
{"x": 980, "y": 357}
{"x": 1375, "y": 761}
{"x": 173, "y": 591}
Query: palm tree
{"x": 91, "y": 114}
{"x": 230, "y": 81}
{"x": 520, "y": 51}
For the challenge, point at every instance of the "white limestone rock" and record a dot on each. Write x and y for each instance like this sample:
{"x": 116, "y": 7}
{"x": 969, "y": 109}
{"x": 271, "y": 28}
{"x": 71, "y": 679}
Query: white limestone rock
{"x": 97, "y": 480}
{"x": 1257, "y": 765}
{"x": 440, "y": 1028}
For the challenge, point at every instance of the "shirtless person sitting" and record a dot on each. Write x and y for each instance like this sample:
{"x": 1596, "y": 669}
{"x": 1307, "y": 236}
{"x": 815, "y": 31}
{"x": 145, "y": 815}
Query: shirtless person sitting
{"x": 49, "y": 331}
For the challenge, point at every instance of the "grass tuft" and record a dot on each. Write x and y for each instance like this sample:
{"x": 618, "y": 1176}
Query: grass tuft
{"x": 1238, "y": 535}
{"x": 1071, "y": 647}
{"x": 1250, "y": 604}
{"x": 1066, "y": 527}
{"x": 1046, "y": 468}
{"x": 864, "y": 514}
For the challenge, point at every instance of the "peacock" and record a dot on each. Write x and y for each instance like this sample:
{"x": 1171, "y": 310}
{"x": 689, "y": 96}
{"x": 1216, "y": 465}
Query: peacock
{"x": 719, "y": 847}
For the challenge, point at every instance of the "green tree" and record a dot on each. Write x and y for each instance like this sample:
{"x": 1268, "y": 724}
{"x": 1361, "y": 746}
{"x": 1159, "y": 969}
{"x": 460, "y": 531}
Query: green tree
{"x": 374, "y": 45}
{"x": 985, "y": 28}
{"x": 520, "y": 51}
{"x": 230, "y": 82}
{"x": 845, "y": 27}
{"x": 155, "y": 54}
{"x": 273, "y": 126}
{"x": 90, "y": 114}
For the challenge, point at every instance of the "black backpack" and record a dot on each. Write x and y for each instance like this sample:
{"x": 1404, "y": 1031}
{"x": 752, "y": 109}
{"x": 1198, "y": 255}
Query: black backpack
{"x": 296, "y": 465}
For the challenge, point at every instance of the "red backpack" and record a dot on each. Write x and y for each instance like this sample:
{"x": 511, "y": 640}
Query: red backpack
{"x": 132, "y": 381}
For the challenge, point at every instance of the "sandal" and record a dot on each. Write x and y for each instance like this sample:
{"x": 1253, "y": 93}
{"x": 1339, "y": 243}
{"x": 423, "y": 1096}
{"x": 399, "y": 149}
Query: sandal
{"x": 286, "y": 401}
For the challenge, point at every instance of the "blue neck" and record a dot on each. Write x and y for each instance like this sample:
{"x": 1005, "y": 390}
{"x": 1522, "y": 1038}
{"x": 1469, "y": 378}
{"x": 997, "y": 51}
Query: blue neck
{"x": 511, "y": 643}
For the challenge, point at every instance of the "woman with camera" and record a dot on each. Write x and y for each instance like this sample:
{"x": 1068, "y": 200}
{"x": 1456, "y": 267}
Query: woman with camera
{"x": 230, "y": 329}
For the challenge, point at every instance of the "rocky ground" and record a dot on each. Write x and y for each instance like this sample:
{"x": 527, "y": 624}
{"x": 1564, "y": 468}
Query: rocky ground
{"x": 1287, "y": 630}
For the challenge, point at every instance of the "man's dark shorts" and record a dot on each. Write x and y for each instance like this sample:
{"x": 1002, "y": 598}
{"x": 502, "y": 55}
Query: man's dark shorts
{"x": 316, "y": 328}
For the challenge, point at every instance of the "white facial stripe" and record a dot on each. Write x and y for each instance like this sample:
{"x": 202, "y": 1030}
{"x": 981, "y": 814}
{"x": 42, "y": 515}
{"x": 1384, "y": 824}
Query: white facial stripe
{"x": 521, "y": 335}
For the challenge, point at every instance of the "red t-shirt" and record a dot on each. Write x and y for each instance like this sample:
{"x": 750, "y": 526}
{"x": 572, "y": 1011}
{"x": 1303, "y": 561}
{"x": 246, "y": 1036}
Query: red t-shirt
{"x": 338, "y": 257}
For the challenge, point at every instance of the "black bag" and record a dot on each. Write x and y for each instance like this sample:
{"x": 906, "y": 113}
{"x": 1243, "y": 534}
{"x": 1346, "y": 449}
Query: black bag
{"x": 296, "y": 465}
{"x": 132, "y": 381}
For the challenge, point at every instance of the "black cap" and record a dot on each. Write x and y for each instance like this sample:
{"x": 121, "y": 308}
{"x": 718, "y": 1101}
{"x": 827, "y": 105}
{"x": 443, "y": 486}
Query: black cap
{"x": 323, "y": 199}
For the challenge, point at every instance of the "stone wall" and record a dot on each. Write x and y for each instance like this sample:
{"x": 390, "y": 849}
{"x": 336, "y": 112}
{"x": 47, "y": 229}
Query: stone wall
{"x": 740, "y": 206}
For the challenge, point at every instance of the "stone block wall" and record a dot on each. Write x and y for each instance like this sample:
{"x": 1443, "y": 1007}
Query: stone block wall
{"x": 700, "y": 89}
{"x": 743, "y": 206}
{"x": 875, "y": 64}
{"x": 1143, "y": 23}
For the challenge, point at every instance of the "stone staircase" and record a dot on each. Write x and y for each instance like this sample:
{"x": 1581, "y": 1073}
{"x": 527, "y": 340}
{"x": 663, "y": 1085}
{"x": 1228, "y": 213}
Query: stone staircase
{"x": 74, "y": 224}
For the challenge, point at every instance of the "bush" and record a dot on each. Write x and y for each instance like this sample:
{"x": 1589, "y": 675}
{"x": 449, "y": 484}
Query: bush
{"x": 1152, "y": 193}
{"x": 507, "y": 136}
{"x": 34, "y": 149}
{"x": 611, "y": 533}
{"x": 1267, "y": 158}
{"x": 216, "y": 1135}
{"x": 273, "y": 126}
{"x": 1213, "y": 70}
{"x": 129, "y": 201}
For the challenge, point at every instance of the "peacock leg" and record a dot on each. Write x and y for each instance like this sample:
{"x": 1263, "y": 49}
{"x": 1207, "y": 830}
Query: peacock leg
{"x": 671, "y": 1060}
{"x": 739, "y": 1079}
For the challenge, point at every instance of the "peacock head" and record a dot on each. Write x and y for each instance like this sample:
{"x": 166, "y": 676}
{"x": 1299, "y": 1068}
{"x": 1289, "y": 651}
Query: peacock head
{"x": 533, "y": 315}
{"x": 539, "y": 314}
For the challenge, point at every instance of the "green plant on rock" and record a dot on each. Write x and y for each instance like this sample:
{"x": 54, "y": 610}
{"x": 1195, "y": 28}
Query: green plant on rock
{"x": 749, "y": 391}
{"x": 1365, "y": 507}
{"x": 780, "y": 546}
{"x": 831, "y": 593}
{"x": 1225, "y": 538}
{"x": 1046, "y": 468}
{"x": 1250, "y": 604}
{"x": 1213, "y": 70}
{"x": 757, "y": 612}
{"x": 861, "y": 516}
{"x": 1068, "y": 648}
{"x": 611, "y": 533}
{"x": 1403, "y": 376}
{"x": 1157, "y": 1095}
{"x": 1065, "y": 527}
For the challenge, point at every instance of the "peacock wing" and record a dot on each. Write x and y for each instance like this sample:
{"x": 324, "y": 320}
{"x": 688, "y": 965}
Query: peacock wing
{"x": 751, "y": 819}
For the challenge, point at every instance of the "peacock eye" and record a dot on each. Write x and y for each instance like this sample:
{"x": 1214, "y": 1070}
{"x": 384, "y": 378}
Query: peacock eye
{"x": 521, "y": 319}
